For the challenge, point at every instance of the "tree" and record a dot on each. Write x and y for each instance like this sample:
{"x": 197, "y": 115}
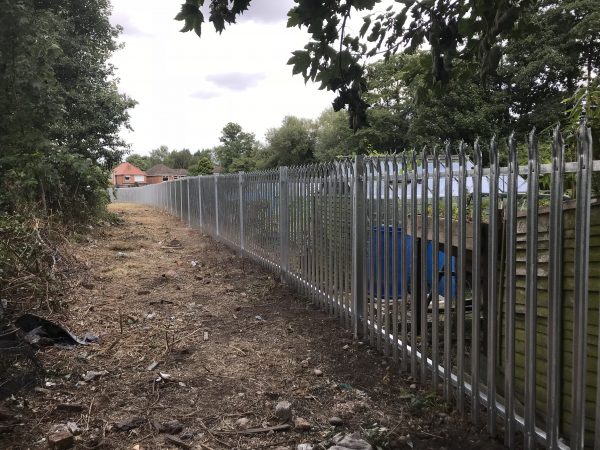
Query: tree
{"x": 60, "y": 111}
{"x": 159, "y": 155}
{"x": 238, "y": 149}
{"x": 334, "y": 57}
{"x": 139, "y": 161}
{"x": 202, "y": 166}
{"x": 556, "y": 50}
{"x": 179, "y": 159}
{"x": 293, "y": 143}
{"x": 333, "y": 137}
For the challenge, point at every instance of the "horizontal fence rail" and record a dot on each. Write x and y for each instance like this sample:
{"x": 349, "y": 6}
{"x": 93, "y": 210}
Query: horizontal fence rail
{"x": 483, "y": 282}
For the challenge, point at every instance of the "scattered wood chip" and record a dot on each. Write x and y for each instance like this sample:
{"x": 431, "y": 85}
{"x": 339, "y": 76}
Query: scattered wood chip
{"x": 283, "y": 427}
{"x": 69, "y": 407}
{"x": 178, "y": 442}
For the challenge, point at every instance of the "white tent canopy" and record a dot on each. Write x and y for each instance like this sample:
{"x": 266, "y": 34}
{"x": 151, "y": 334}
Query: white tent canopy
{"x": 469, "y": 165}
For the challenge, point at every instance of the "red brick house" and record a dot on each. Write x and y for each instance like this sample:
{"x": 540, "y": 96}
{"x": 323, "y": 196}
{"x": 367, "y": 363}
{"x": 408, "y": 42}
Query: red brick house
{"x": 127, "y": 175}
{"x": 160, "y": 173}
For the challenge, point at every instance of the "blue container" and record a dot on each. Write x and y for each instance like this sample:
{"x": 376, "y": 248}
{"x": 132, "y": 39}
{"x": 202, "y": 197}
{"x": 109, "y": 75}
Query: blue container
{"x": 382, "y": 253}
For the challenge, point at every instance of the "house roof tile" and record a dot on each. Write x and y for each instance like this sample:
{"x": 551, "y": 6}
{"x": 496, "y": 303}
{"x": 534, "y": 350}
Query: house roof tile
{"x": 161, "y": 169}
{"x": 127, "y": 169}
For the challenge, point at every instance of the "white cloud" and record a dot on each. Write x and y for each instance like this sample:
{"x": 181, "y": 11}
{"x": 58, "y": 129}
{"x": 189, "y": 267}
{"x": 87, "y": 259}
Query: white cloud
{"x": 236, "y": 81}
{"x": 189, "y": 88}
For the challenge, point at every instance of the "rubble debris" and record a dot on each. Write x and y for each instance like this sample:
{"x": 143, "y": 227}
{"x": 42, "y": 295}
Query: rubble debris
{"x": 175, "y": 243}
{"x": 283, "y": 411}
{"x": 302, "y": 424}
{"x": 304, "y": 447}
{"x": 60, "y": 440}
{"x": 170, "y": 427}
{"x": 243, "y": 423}
{"x": 336, "y": 421}
{"x": 176, "y": 441}
{"x": 73, "y": 428}
{"x": 129, "y": 424}
{"x": 43, "y": 332}
{"x": 91, "y": 375}
{"x": 350, "y": 442}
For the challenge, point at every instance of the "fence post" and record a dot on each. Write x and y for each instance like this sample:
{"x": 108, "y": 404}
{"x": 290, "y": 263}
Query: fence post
{"x": 216, "y": 178}
{"x": 187, "y": 182}
{"x": 242, "y": 228}
{"x": 201, "y": 223}
{"x": 180, "y": 215}
{"x": 358, "y": 243}
{"x": 581, "y": 279}
{"x": 283, "y": 222}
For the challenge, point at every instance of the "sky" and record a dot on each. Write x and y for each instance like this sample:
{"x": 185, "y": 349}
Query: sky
{"x": 189, "y": 88}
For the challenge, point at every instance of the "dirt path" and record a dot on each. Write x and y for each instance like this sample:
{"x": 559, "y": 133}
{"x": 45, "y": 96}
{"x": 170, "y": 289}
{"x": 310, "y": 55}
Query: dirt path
{"x": 231, "y": 343}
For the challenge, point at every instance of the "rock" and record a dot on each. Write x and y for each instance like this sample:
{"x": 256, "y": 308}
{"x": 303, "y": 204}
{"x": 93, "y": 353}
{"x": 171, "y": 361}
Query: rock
{"x": 175, "y": 243}
{"x": 318, "y": 372}
{"x": 129, "y": 424}
{"x": 73, "y": 428}
{"x": 92, "y": 375}
{"x": 304, "y": 447}
{"x": 42, "y": 390}
{"x": 170, "y": 274}
{"x": 165, "y": 376}
{"x": 350, "y": 442}
{"x": 186, "y": 435}
{"x": 243, "y": 423}
{"x": 170, "y": 427}
{"x": 153, "y": 365}
{"x": 301, "y": 424}
{"x": 336, "y": 421}
{"x": 346, "y": 347}
{"x": 121, "y": 255}
{"x": 283, "y": 411}
{"x": 413, "y": 386}
{"x": 61, "y": 440}
{"x": 281, "y": 447}
{"x": 90, "y": 337}
{"x": 304, "y": 363}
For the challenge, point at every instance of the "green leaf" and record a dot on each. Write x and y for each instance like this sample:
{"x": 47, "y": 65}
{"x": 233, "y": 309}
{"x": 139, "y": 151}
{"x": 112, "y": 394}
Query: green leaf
{"x": 300, "y": 60}
{"x": 365, "y": 26}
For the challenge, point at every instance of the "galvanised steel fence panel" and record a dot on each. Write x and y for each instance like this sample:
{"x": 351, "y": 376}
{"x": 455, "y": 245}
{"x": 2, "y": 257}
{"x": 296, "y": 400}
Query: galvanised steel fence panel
{"x": 208, "y": 217}
{"x": 482, "y": 282}
{"x": 229, "y": 203}
{"x": 260, "y": 199}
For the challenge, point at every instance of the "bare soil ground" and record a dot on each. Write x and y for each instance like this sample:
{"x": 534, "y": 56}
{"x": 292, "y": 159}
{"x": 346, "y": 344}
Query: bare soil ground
{"x": 230, "y": 342}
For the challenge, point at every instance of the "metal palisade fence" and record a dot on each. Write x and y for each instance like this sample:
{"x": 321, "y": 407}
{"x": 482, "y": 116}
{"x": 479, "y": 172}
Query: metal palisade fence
{"x": 483, "y": 282}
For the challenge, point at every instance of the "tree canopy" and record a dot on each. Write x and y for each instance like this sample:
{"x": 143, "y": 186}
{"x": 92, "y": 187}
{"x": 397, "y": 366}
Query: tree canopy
{"x": 335, "y": 57}
{"x": 238, "y": 149}
{"x": 60, "y": 110}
